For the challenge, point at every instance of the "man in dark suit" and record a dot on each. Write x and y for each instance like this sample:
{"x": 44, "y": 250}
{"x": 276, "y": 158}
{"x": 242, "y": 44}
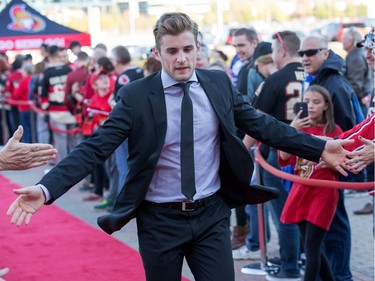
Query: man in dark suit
{"x": 172, "y": 225}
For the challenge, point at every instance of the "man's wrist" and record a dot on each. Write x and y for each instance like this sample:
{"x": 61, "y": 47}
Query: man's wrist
{"x": 46, "y": 193}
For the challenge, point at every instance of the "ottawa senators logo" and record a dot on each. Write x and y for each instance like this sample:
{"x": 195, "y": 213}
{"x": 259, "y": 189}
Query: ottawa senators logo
{"x": 123, "y": 79}
{"x": 303, "y": 169}
{"x": 25, "y": 21}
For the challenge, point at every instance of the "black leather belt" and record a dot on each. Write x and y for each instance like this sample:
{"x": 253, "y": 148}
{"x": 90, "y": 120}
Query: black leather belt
{"x": 186, "y": 206}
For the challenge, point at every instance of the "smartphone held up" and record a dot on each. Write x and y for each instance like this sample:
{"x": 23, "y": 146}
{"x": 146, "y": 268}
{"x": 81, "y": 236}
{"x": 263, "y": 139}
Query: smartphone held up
{"x": 298, "y": 106}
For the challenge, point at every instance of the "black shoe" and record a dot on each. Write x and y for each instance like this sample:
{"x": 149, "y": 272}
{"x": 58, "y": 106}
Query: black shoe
{"x": 276, "y": 261}
{"x": 87, "y": 187}
{"x": 366, "y": 210}
{"x": 281, "y": 275}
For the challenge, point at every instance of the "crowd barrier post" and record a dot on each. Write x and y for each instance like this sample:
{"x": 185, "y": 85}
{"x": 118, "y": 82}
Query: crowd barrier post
{"x": 260, "y": 268}
{"x": 4, "y": 124}
{"x": 33, "y": 126}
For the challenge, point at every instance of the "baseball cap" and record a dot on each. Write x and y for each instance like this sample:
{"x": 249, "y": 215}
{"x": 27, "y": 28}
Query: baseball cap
{"x": 262, "y": 49}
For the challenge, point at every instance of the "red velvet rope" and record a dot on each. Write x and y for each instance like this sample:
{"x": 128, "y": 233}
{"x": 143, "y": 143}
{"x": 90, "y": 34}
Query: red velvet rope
{"x": 259, "y": 159}
{"x": 312, "y": 182}
{"x": 34, "y": 108}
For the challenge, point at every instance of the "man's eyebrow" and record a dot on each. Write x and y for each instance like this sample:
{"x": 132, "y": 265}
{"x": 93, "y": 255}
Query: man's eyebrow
{"x": 175, "y": 48}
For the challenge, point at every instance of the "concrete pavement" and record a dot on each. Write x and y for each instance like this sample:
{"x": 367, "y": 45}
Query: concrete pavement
{"x": 362, "y": 257}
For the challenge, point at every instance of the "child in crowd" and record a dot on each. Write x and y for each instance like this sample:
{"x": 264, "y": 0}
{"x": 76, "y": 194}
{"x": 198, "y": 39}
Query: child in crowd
{"x": 310, "y": 207}
{"x": 95, "y": 111}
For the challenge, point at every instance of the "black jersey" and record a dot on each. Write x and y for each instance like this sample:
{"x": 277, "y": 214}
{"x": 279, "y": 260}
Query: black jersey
{"x": 281, "y": 91}
{"x": 126, "y": 77}
{"x": 53, "y": 85}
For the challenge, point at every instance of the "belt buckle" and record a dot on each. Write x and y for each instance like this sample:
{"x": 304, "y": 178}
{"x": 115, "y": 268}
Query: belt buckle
{"x": 188, "y": 206}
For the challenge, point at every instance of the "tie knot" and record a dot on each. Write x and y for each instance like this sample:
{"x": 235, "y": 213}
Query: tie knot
{"x": 185, "y": 86}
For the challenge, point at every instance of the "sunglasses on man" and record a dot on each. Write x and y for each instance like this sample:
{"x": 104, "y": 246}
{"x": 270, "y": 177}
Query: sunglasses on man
{"x": 310, "y": 52}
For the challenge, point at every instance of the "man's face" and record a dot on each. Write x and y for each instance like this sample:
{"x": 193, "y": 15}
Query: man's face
{"x": 63, "y": 56}
{"x": 312, "y": 64}
{"x": 178, "y": 55}
{"x": 347, "y": 42}
{"x": 370, "y": 57}
{"x": 202, "y": 61}
{"x": 244, "y": 48}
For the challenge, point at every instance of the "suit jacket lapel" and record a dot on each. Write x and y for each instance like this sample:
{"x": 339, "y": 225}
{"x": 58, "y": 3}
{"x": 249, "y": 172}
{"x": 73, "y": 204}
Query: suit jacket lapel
{"x": 159, "y": 111}
{"x": 213, "y": 92}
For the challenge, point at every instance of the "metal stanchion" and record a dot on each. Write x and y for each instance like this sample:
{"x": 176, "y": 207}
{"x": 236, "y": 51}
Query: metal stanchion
{"x": 33, "y": 125}
{"x": 260, "y": 268}
{"x": 4, "y": 125}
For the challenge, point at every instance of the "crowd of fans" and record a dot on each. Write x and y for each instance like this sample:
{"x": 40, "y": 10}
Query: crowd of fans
{"x": 62, "y": 102}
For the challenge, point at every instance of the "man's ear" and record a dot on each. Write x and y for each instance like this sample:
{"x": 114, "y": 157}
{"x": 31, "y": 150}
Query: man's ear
{"x": 198, "y": 45}
{"x": 156, "y": 53}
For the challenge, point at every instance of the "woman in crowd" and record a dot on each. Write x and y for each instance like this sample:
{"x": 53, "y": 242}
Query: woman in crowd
{"x": 311, "y": 207}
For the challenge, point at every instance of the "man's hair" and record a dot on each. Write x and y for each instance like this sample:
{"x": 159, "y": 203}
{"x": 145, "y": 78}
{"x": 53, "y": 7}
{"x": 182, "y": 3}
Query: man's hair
{"x": 74, "y": 44}
{"x": 82, "y": 56}
{"x": 53, "y": 51}
{"x": 152, "y": 65}
{"x": 355, "y": 34}
{"x": 174, "y": 24}
{"x": 100, "y": 46}
{"x": 289, "y": 40}
{"x": 251, "y": 34}
{"x": 121, "y": 55}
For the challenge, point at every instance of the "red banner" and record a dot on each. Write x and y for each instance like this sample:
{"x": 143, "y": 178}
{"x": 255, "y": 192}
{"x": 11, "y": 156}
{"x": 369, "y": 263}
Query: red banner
{"x": 35, "y": 41}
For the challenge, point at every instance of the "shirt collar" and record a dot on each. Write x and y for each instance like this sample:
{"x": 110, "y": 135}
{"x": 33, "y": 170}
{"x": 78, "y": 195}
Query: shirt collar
{"x": 167, "y": 81}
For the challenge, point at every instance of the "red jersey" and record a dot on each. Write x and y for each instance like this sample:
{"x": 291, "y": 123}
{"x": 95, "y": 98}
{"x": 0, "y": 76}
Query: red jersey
{"x": 22, "y": 93}
{"x": 364, "y": 129}
{"x": 12, "y": 83}
{"x": 314, "y": 204}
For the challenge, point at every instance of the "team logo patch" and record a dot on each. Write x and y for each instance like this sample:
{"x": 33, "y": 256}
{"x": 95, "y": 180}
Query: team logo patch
{"x": 123, "y": 79}
{"x": 303, "y": 169}
{"x": 25, "y": 21}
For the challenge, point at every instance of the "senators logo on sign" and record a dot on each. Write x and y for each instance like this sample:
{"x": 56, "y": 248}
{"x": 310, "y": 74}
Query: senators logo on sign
{"x": 23, "y": 20}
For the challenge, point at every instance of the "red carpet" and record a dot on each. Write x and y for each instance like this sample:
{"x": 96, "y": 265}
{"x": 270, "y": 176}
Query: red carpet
{"x": 58, "y": 247}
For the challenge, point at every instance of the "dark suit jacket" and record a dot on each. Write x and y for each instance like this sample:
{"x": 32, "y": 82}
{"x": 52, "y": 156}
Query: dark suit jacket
{"x": 140, "y": 116}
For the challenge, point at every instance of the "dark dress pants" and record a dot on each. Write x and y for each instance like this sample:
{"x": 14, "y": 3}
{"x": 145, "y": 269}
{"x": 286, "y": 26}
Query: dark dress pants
{"x": 167, "y": 236}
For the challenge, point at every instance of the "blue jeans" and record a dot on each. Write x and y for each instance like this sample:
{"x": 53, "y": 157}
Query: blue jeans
{"x": 25, "y": 121}
{"x": 337, "y": 243}
{"x": 252, "y": 238}
{"x": 289, "y": 239}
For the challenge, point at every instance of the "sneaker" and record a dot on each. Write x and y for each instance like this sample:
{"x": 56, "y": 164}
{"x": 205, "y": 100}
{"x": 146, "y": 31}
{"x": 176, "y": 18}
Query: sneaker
{"x": 244, "y": 253}
{"x": 253, "y": 269}
{"x": 3, "y": 272}
{"x": 281, "y": 275}
{"x": 103, "y": 205}
{"x": 368, "y": 209}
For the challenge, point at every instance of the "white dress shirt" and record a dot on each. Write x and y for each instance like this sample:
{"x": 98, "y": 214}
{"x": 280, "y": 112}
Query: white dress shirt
{"x": 166, "y": 182}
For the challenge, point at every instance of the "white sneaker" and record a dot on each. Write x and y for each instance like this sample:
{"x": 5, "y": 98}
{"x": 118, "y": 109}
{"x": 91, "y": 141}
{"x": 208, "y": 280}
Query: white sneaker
{"x": 244, "y": 253}
{"x": 3, "y": 272}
